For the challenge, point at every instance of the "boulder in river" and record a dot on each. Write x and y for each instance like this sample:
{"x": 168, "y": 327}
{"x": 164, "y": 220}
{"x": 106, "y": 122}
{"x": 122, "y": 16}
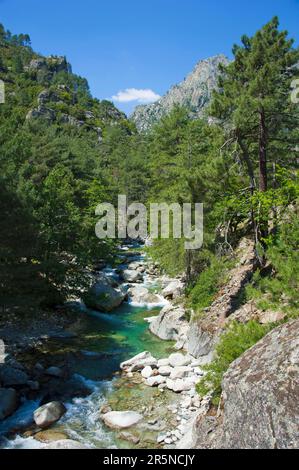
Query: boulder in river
{"x": 168, "y": 324}
{"x": 147, "y": 372}
{"x": 10, "y": 376}
{"x": 8, "y": 402}
{"x": 156, "y": 380}
{"x": 180, "y": 372}
{"x": 141, "y": 295}
{"x": 178, "y": 359}
{"x": 49, "y": 414}
{"x": 55, "y": 372}
{"x": 121, "y": 419}
{"x": 139, "y": 361}
{"x": 132, "y": 276}
{"x": 103, "y": 297}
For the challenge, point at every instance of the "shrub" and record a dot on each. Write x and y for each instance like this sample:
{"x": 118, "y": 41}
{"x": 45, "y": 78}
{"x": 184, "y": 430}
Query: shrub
{"x": 208, "y": 284}
{"x": 233, "y": 343}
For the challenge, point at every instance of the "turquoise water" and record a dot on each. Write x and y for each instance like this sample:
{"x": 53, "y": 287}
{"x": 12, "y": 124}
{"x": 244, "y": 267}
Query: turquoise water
{"x": 102, "y": 342}
{"x": 106, "y": 339}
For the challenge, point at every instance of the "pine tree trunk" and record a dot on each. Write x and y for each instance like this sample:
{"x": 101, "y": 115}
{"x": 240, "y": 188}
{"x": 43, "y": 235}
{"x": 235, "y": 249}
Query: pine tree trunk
{"x": 263, "y": 167}
{"x": 263, "y": 153}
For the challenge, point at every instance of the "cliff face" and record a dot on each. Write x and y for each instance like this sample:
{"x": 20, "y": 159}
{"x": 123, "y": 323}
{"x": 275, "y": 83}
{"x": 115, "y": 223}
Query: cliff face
{"x": 193, "y": 93}
{"x": 260, "y": 394}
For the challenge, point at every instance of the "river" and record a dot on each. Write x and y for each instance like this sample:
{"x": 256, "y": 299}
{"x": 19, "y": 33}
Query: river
{"x": 102, "y": 342}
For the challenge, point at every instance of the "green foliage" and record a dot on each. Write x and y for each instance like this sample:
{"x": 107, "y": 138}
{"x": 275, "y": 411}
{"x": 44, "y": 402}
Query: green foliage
{"x": 53, "y": 173}
{"x": 208, "y": 284}
{"x": 233, "y": 343}
{"x": 280, "y": 290}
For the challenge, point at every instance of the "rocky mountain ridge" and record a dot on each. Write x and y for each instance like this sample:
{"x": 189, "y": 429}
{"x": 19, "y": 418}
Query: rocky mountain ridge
{"x": 194, "y": 93}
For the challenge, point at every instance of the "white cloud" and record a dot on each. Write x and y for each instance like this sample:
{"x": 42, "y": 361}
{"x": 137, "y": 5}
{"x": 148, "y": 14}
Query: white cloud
{"x": 133, "y": 94}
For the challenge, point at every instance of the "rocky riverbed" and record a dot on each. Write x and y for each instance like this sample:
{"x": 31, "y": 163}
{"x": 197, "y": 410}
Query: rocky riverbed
{"x": 53, "y": 374}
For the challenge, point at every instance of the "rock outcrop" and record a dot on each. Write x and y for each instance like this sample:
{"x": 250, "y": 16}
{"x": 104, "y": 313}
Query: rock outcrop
{"x": 194, "y": 93}
{"x": 261, "y": 393}
{"x": 260, "y": 397}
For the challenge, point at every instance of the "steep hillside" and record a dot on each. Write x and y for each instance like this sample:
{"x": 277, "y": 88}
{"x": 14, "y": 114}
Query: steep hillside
{"x": 56, "y": 165}
{"x": 194, "y": 93}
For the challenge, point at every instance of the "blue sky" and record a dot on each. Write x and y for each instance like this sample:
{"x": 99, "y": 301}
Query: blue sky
{"x": 141, "y": 45}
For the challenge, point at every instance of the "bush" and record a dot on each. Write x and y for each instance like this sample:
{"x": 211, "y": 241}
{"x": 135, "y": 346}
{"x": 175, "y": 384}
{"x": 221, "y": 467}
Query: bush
{"x": 208, "y": 284}
{"x": 233, "y": 343}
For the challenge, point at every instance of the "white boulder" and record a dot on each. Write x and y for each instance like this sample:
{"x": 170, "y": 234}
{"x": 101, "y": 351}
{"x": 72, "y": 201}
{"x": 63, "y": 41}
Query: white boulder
{"x": 178, "y": 359}
{"x": 147, "y": 372}
{"x": 121, "y": 419}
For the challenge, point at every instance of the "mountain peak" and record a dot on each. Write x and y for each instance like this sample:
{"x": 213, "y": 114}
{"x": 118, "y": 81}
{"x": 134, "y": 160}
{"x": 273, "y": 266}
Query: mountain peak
{"x": 194, "y": 93}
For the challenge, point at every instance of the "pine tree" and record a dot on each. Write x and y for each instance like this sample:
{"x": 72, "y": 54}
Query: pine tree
{"x": 254, "y": 102}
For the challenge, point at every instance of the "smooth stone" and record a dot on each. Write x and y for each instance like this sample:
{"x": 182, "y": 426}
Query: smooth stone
{"x": 163, "y": 362}
{"x": 127, "y": 436}
{"x": 165, "y": 370}
{"x": 180, "y": 372}
{"x": 50, "y": 436}
{"x": 55, "y": 372}
{"x": 121, "y": 419}
{"x": 8, "y": 402}
{"x": 10, "y": 376}
{"x": 139, "y": 361}
{"x": 49, "y": 414}
{"x": 178, "y": 385}
{"x": 178, "y": 359}
{"x": 147, "y": 372}
{"x": 155, "y": 381}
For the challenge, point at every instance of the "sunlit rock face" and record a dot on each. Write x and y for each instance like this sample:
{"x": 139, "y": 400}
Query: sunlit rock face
{"x": 193, "y": 93}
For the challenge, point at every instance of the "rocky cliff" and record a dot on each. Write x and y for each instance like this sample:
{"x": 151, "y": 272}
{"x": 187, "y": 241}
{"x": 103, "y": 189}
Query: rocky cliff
{"x": 193, "y": 93}
{"x": 260, "y": 393}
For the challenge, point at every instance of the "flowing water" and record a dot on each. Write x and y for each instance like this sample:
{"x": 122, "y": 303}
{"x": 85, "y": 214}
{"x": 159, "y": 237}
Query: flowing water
{"x": 102, "y": 342}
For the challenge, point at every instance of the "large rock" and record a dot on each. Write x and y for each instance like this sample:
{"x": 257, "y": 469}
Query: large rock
{"x": 261, "y": 393}
{"x": 10, "y": 376}
{"x": 8, "y": 402}
{"x": 65, "y": 444}
{"x": 156, "y": 380}
{"x": 178, "y": 360}
{"x": 132, "y": 276}
{"x": 139, "y": 362}
{"x": 200, "y": 342}
{"x": 121, "y": 419}
{"x": 179, "y": 385}
{"x": 174, "y": 289}
{"x": 169, "y": 323}
{"x": 49, "y": 414}
{"x": 141, "y": 295}
{"x": 55, "y": 372}
{"x": 147, "y": 372}
{"x": 103, "y": 297}
{"x": 180, "y": 372}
